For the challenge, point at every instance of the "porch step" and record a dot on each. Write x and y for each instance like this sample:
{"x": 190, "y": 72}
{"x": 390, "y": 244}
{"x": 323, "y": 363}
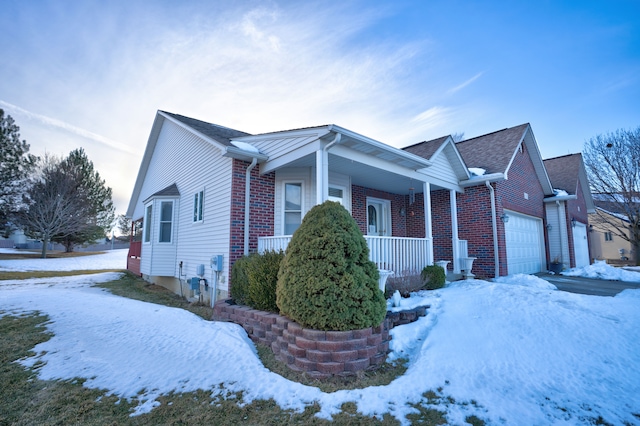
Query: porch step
{"x": 453, "y": 277}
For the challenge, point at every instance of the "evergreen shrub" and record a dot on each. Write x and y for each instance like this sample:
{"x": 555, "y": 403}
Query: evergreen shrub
{"x": 240, "y": 280}
{"x": 262, "y": 272}
{"x": 326, "y": 280}
{"x": 433, "y": 277}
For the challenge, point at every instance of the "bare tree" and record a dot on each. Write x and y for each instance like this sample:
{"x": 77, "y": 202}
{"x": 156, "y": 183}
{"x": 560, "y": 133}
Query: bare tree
{"x": 613, "y": 164}
{"x": 52, "y": 205}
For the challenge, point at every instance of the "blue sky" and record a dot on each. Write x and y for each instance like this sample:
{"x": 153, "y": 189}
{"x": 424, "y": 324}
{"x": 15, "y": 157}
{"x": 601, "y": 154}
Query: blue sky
{"x": 93, "y": 73}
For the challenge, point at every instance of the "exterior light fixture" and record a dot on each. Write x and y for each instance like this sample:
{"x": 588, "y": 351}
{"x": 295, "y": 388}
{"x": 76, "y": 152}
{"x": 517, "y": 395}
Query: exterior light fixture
{"x": 548, "y": 226}
{"x": 573, "y": 222}
{"x": 505, "y": 217}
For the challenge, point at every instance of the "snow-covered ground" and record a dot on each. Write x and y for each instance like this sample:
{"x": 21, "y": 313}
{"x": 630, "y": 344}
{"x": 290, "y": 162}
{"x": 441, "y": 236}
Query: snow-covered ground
{"x": 112, "y": 259}
{"x": 515, "y": 351}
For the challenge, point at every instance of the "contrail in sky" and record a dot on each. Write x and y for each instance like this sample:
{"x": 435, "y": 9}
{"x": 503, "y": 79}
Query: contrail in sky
{"x": 52, "y": 122}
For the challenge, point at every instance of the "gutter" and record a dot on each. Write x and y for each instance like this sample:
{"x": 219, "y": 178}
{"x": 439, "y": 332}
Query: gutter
{"x": 494, "y": 225}
{"x": 493, "y": 177}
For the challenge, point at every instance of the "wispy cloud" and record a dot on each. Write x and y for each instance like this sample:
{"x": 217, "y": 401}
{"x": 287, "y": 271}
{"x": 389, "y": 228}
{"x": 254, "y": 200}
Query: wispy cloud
{"x": 465, "y": 84}
{"x": 61, "y": 125}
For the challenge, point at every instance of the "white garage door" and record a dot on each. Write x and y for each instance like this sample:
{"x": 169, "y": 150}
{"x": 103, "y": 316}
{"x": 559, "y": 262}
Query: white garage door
{"x": 580, "y": 244}
{"x": 525, "y": 246}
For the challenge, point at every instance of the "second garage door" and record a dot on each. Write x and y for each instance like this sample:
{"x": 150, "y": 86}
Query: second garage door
{"x": 524, "y": 239}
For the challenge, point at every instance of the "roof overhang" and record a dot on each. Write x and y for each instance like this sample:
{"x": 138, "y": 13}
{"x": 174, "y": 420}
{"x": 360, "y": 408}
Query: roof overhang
{"x": 244, "y": 155}
{"x": 560, "y": 198}
{"x": 481, "y": 180}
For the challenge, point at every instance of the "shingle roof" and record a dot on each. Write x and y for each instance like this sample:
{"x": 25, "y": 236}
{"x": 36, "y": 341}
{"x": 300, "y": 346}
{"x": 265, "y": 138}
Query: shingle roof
{"x": 218, "y": 133}
{"x": 427, "y": 148}
{"x": 564, "y": 172}
{"x": 169, "y": 191}
{"x": 494, "y": 151}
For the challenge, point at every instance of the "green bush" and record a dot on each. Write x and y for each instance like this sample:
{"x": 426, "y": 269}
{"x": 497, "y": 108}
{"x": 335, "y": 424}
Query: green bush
{"x": 262, "y": 272}
{"x": 326, "y": 280}
{"x": 240, "y": 280}
{"x": 433, "y": 277}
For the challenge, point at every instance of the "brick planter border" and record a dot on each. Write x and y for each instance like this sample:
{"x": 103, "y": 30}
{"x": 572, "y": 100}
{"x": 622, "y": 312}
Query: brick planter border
{"x": 320, "y": 354}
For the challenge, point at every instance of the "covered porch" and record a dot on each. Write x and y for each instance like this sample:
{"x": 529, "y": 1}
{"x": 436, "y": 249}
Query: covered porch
{"x": 386, "y": 190}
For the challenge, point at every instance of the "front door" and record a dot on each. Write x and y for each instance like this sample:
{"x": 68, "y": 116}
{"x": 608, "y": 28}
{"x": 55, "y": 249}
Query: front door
{"x": 378, "y": 217}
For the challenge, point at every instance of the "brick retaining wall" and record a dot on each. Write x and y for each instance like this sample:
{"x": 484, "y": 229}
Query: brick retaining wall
{"x": 318, "y": 353}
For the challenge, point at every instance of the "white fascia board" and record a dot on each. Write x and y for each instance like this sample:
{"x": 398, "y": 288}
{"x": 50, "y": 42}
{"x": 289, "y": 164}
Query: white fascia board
{"x": 146, "y": 160}
{"x": 421, "y": 162}
{"x": 482, "y": 180}
{"x": 560, "y": 198}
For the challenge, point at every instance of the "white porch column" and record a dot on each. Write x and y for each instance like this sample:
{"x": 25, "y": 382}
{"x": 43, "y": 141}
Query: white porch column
{"x": 428, "y": 229}
{"x": 322, "y": 176}
{"x": 454, "y": 231}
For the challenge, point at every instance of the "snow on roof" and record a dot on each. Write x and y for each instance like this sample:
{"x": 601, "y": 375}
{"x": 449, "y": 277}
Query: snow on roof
{"x": 476, "y": 172}
{"x": 245, "y": 146}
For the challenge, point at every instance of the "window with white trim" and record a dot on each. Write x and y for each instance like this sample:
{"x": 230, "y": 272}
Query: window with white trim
{"x": 166, "y": 221}
{"x": 147, "y": 223}
{"x": 292, "y": 207}
{"x": 198, "y": 205}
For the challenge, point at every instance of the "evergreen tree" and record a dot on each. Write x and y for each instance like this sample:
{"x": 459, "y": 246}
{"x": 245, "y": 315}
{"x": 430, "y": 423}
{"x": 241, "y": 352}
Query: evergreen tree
{"x": 99, "y": 211}
{"x": 15, "y": 165}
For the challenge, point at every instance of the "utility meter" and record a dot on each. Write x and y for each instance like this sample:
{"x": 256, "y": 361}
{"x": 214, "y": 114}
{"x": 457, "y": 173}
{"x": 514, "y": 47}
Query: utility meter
{"x": 216, "y": 263}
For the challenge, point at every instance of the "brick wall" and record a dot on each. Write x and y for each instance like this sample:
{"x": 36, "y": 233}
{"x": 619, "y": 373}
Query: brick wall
{"x": 261, "y": 203}
{"x": 441, "y": 225}
{"x": 411, "y": 224}
{"x": 317, "y": 353}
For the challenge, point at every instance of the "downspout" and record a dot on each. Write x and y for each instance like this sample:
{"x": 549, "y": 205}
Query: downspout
{"x": 247, "y": 204}
{"x": 322, "y": 178}
{"x": 494, "y": 225}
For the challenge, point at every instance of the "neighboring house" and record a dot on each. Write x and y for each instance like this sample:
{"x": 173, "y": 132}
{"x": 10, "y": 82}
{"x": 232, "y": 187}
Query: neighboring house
{"x": 501, "y": 212}
{"x": 207, "y": 195}
{"x": 568, "y": 211}
{"x": 606, "y": 223}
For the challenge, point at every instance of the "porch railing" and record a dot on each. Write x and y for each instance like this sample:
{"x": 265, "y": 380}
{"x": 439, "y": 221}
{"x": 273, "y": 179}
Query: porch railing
{"x": 401, "y": 255}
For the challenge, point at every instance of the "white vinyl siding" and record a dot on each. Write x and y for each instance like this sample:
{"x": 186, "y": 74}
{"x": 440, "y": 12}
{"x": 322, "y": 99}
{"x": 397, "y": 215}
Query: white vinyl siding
{"x": 195, "y": 164}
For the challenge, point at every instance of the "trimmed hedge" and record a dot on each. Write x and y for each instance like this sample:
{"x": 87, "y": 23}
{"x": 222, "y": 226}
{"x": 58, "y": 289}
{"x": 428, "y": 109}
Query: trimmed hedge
{"x": 262, "y": 272}
{"x": 326, "y": 280}
{"x": 240, "y": 280}
{"x": 433, "y": 277}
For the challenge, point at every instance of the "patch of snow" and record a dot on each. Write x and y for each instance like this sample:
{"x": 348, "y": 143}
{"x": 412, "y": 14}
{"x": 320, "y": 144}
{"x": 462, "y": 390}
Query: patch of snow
{"x": 602, "y": 271}
{"x": 524, "y": 352}
{"x": 477, "y": 171}
{"x": 112, "y": 259}
{"x": 245, "y": 147}
{"x": 560, "y": 192}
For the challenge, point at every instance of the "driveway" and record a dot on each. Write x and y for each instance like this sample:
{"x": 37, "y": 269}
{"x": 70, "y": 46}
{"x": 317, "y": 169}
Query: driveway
{"x": 587, "y": 285}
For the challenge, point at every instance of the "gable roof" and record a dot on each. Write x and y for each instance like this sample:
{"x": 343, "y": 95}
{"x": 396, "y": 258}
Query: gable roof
{"x": 565, "y": 172}
{"x": 218, "y": 133}
{"x": 495, "y": 152}
{"x": 169, "y": 191}
{"x": 426, "y": 149}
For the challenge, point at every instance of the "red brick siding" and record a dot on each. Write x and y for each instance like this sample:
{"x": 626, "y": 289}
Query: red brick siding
{"x": 474, "y": 212}
{"x": 261, "y": 202}
{"x": 441, "y": 225}
{"x": 401, "y": 226}
{"x": 475, "y": 226}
